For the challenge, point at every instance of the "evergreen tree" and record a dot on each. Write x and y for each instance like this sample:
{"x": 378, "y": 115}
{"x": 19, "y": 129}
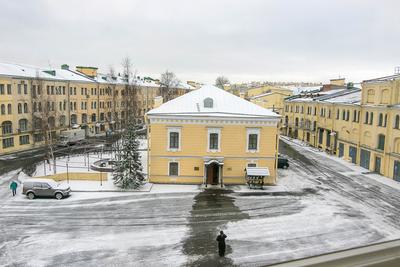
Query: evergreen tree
{"x": 128, "y": 167}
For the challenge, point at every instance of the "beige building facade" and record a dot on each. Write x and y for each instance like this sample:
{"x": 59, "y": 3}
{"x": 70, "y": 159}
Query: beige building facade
{"x": 359, "y": 125}
{"x": 34, "y": 98}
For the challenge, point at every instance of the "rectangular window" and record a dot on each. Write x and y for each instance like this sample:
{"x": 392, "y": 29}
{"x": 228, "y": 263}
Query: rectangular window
{"x": 173, "y": 169}
{"x": 9, "y": 89}
{"x": 8, "y": 142}
{"x": 214, "y": 141}
{"x": 19, "y": 89}
{"x": 37, "y": 137}
{"x": 253, "y": 141}
{"x": 381, "y": 142}
{"x": 25, "y": 89}
{"x": 24, "y": 139}
{"x": 174, "y": 140}
{"x": 1, "y": 89}
{"x": 251, "y": 165}
{"x": 253, "y": 135}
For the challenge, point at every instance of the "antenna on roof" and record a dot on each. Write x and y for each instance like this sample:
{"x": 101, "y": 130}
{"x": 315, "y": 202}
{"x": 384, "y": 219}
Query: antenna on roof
{"x": 397, "y": 70}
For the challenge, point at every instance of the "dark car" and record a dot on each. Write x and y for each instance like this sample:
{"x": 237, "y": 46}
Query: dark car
{"x": 283, "y": 163}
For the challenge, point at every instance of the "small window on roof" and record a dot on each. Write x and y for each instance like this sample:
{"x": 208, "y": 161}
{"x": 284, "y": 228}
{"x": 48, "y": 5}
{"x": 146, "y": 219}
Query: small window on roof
{"x": 208, "y": 102}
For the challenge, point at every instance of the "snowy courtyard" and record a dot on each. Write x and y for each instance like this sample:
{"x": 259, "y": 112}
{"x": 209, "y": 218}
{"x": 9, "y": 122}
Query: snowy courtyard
{"x": 321, "y": 204}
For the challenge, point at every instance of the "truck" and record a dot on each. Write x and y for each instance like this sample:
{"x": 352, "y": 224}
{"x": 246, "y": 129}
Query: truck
{"x": 71, "y": 137}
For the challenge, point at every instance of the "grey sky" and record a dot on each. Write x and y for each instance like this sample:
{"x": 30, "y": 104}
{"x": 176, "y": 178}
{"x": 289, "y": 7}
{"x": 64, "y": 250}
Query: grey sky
{"x": 199, "y": 40}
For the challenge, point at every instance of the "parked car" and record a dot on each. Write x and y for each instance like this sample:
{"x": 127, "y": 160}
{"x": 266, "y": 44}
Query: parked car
{"x": 283, "y": 163}
{"x": 45, "y": 188}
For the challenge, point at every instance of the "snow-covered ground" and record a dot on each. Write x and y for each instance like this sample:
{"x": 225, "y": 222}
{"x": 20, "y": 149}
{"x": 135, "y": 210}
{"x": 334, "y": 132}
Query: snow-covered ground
{"x": 321, "y": 204}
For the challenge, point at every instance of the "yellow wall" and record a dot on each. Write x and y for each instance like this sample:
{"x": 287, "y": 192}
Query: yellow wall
{"x": 194, "y": 149}
{"x": 274, "y": 101}
{"x": 376, "y": 98}
{"x": 77, "y": 176}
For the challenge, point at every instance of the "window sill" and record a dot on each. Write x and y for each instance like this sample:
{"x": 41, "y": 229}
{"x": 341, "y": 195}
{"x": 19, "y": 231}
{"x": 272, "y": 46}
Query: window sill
{"x": 252, "y": 151}
{"x": 174, "y": 150}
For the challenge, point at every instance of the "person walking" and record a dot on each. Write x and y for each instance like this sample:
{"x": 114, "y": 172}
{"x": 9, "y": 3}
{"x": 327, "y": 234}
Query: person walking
{"x": 221, "y": 243}
{"x": 13, "y": 187}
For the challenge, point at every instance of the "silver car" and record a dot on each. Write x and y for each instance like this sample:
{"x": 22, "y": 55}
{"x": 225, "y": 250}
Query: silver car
{"x": 45, "y": 188}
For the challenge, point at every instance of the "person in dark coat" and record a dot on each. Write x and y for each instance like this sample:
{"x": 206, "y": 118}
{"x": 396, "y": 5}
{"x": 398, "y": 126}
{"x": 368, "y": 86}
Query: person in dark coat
{"x": 221, "y": 243}
{"x": 13, "y": 187}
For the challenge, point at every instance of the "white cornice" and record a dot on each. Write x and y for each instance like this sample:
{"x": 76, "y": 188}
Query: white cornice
{"x": 211, "y": 121}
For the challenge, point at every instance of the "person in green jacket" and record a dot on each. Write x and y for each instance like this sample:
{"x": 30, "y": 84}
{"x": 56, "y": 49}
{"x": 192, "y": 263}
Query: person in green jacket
{"x": 13, "y": 187}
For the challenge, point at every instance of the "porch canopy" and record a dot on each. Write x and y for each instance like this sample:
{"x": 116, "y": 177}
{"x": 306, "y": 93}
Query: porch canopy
{"x": 257, "y": 171}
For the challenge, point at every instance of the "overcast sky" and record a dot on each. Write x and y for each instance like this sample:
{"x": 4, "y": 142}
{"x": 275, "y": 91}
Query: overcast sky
{"x": 248, "y": 40}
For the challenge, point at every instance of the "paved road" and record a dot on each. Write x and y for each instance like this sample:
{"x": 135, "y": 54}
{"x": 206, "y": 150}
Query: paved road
{"x": 331, "y": 210}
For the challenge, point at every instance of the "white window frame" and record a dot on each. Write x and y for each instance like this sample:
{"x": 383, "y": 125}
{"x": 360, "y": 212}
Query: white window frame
{"x": 253, "y": 131}
{"x": 210, "y": 131}
{"x": 173, "y": 130}
{"x": 179, "y": 168}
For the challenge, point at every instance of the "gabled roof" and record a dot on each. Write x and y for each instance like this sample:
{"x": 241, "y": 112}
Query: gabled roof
{"x": 225, "y": 104}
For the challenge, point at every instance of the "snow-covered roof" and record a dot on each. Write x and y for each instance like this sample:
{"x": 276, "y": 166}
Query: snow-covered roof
{"x": 224, "y": 104}
{"x": 28, "y": 71}
{"x": 257, "y": 171}
{"x": 347, "y": 97}
{"x": 384, "y": 79}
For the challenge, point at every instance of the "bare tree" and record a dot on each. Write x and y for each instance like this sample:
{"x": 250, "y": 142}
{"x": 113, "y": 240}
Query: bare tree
{"x": 168, "y": 85}
{"x": 131, "y": 90}
{"x": 44, "y": 114}
{"x": 221, "y": 81}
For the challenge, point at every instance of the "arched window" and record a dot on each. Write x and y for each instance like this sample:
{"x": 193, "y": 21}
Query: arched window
{"x": 40, "y": 107}
{"x": 371, "y": 119}
{"x": 9, "y": 109}
{"x": 343, "y": 115}
{"x": 37, "y": 123}
{"x": 93, "y": 117}
{"x": 34, "y": 106}
{"x": 19, "y": 108}
{"x": 370, "y": 96}
{"x": 296, "y": 122}
{"x": 62, "y": 120}
{"x": 366, "y": 118}
{"x": 73, "y": 119}
{"x": 208, "y": 103}
{"x": 380, "y": 119}
{"x": 348, "y": 115}
{"x": 52, "y": 122}
{"x": 385, "y": 96}
{"x": 3, "y": 109}
{"x": 6, "y": 127}
{"x": 385, "y": 121}
{"x": 354, "y": 115}
{"x": 397, "y": 122}
{"x": 84, "y": 118}
{"x": 381, "y": 141}
{"x": 23, "y": 125}
{"x": 25, "y": 108}
{"x": 314, "y": 125}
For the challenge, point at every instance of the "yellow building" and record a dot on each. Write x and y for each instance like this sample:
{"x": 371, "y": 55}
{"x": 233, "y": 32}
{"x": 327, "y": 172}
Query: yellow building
{"x": 360, "y": 125}
{"x": 34, "y": 98}
{"x": 273, "y": 99}
{"x": 210, "y": 136}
